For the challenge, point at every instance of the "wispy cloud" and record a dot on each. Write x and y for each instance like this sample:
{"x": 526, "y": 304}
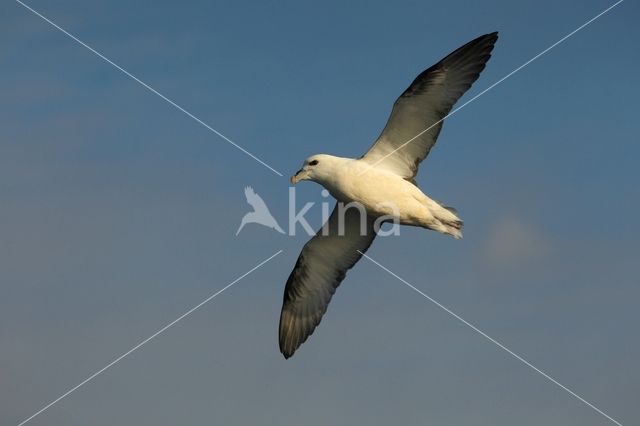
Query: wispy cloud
{"x": 512, "y": 242}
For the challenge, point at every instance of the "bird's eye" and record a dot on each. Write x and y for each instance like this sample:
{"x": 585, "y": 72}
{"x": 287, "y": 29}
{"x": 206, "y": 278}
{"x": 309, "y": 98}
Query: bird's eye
{"x": 313, "y": 163}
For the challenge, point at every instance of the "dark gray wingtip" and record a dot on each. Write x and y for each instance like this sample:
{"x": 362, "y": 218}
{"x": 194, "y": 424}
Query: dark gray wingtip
{"x": 489, "y": 36}
{"x": 295, "y": 330}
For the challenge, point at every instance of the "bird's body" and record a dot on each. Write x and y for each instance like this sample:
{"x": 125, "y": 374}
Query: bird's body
{"x": 382, "y": 183}
{"x": 384, "y": 193}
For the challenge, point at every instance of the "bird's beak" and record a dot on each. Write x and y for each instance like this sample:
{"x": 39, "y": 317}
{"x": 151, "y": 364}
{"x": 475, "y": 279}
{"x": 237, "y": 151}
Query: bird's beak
{"x": 297, "y": 177}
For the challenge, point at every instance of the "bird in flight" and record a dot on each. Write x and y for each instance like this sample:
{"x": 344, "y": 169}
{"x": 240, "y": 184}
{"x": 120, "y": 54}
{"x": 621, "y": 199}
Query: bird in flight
{"x": 260, "y": 214}
{"x": 382, "y": 181}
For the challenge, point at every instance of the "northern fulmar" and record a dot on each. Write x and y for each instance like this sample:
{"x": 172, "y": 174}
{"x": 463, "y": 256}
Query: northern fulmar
{"x": 382, "y": 181}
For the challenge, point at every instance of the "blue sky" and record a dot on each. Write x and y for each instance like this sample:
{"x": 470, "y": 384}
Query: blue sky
{"x": 119, "y": 213}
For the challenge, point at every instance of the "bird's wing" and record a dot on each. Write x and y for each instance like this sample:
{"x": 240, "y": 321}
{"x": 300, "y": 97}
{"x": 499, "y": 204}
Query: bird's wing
{"x": 321, "y": 267}
{"x": 426, "y": 102}
{"x": 254, "y": 199}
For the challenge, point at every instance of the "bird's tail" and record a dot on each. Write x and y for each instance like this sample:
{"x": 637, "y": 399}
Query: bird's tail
{"x": 448, "y": 221}
{"x": 277, "y": 227}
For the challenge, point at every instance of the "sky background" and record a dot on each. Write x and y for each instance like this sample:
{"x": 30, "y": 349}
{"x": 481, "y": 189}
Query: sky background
{"x": 118, "y": 213}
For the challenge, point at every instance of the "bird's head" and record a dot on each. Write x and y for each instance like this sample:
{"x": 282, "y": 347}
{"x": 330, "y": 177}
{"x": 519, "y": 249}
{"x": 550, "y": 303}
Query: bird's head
{"x": 317, "y": 168}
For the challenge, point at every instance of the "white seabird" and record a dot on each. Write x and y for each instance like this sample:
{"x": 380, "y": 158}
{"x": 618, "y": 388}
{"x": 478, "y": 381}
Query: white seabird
{"x": 383, "y": 181}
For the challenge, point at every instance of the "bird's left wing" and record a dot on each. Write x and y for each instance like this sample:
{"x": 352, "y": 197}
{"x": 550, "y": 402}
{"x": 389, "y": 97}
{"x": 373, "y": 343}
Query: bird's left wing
{"x": 254, "y": 200}
{"x": 321, "y": 267}
{"x": 404, "y": 143}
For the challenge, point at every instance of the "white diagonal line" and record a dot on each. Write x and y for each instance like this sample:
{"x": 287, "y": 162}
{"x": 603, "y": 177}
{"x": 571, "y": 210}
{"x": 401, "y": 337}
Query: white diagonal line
{"x": 494, "y": 85}
{"x": 162, "y": 330}
{"x": 146, "y": 86}
{"x": 494, "y": 341}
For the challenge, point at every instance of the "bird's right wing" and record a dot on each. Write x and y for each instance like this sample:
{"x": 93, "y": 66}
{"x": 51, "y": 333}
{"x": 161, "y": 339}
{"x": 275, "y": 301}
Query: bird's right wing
{"x": 321, "y": 267}
{"x": 405, "y": 140}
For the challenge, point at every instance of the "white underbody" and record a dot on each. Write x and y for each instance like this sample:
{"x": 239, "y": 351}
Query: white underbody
{"x": 384, "y": 193}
